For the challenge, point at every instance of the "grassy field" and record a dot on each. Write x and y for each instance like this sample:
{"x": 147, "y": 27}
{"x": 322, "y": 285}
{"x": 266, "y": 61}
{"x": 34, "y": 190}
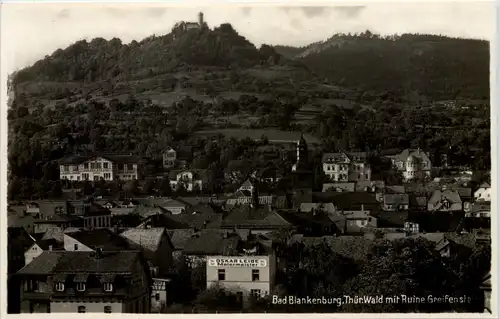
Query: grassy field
{"x": 274, "y": 136}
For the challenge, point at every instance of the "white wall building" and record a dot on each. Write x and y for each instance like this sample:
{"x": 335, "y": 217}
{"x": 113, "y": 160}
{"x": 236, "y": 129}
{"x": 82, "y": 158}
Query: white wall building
{"x": 93, "y": 168}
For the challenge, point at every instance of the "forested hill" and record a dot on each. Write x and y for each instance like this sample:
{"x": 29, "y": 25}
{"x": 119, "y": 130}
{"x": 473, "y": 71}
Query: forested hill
{"x": 103, "y": 60}
{"x": 434, "y": 66}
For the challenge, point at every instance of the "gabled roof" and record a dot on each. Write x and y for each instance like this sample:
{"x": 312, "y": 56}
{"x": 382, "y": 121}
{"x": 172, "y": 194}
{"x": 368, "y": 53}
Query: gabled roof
{"x": 247, "y": 183}
{"x": 100, "y": 238}
{"x": 51, "y": 262}
{"x": 148, "y": 239}
{"x": 452, "y": 196}
{"x": 418, "y": 154}
{"x": 484, "y": 185}
{"x": 179, "y": 237}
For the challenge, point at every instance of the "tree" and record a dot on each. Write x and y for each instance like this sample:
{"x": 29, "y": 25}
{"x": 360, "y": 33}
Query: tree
{"x": 15, "y": 189}
{"x": 217, "y": 299}
{"x": 164, "y": 188}
{"x": 131, "y": 188}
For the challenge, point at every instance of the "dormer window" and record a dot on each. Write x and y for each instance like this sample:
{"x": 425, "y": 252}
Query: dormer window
{"x": 59, "y": 286}
{"x": 80, "y": 286}
{"x": 108, "y": 286}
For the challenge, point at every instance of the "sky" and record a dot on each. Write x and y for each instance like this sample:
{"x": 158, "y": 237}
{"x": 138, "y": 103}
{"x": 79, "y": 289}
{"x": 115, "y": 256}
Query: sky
{"x": 31, "y": 31}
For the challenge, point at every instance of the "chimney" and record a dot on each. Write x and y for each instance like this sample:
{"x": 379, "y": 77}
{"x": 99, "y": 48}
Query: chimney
{"x": 98, "y": 253}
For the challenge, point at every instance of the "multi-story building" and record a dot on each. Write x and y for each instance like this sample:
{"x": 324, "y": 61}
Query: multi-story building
{"x": 80, "y": 282}
{"x": 248, "y": 270}
{"x": 347, "y": 167}
{"x": 190, "y": 180}
{"x": 97, "y": 167}
{"x": 412, "y": 164}
{"x": 169, "y": 157}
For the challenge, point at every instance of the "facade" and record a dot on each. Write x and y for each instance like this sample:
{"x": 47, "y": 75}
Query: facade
{"x": 188, "y": 179}
{"x": 346, "y": 167}
{"x": 97, "y": 167}
{"x": 159, "y": 294}
{"x": 169, "y": 157}
{"x": 247, "y": 186}
{"x": 80, "y": 282}
{"x": 483, "y": 193}
{"x": 445, "y": 201}
{"x": 250, "y": 272}
{"x": 396, "y": 202}
{"x": 413, "y": 164}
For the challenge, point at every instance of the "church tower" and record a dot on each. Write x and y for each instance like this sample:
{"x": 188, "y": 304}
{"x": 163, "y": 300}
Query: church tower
{"x": 302, "y": 162}
{"x": 200, "y": 19}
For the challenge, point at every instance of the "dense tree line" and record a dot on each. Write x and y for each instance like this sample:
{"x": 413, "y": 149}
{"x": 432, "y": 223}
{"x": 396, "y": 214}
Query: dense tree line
{"x": 408, "y": 267}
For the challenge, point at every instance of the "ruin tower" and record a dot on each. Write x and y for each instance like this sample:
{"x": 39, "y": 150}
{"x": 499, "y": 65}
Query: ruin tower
{"x": 200, "y": 19}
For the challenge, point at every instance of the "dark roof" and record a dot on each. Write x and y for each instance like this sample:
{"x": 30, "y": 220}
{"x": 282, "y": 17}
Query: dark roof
{"x": 354, "y": 200}
{"x": 306, "y": 218}
{"x": 439, "y": 221}
{"x": 52, "y": 262}
{"x": 45, "y": 244}
{"x": 395, "y": 189}
{"x": 116, "y": 158}
{"x": 212, "y": 242}
{"x": 179, "y": 237}
{"x": 101, "y": 238}
{"x": 481, "y": 206}
{"x": 465, "y": 193}
{"x": 198, "y": 220}
{"x": 391, "y": 219}
{"x": 166, "y": 220}
{"x": 396, "y": 199}
{"x": 57, "y": 219}
{"x": 417, "y": 201}
{"x": 246, "y": 212}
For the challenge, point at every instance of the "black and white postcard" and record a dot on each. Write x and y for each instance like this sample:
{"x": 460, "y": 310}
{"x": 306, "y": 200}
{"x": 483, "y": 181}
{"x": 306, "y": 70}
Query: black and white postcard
{"x": 188, "y": 158}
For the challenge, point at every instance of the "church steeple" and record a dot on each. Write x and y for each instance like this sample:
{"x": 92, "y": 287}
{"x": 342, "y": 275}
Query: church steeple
{"x": 301, "y": 154}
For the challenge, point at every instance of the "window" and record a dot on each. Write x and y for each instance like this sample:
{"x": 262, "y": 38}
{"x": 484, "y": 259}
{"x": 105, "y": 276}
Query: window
{"x": 75, "y": 247}
{"x": 85, "y": 176}
{"x": 105, "y": 165}
{"x": 107, "y": 176}
{"x": 120, "y": 167}
{"x": 255, "y": 275}
{"x": 66, "y": 168}
{"x": 81, "y": 309}
{"x": 80, "y": 286}
{"x": 108, "y": 286}
{"x": 221, "y": 274}
{"x": 86, "y": 165}
{"x": 31, "y": 285}
{"x": 59, "y": 286}
{"x": 78, "y": 178}
{"x": 130, "y": 167}
{"x": 107, "y": 309}
{"x": 157, "y": 297}
{"x": 96, "y": 178}
{"x": 92, "y": 165}
{"x": 255, "y": 292}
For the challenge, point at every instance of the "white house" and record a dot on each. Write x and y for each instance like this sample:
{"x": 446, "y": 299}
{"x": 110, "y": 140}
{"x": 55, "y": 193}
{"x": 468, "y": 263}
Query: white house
{"x": 347, "y": 167}
{"x": 483, "y": 193}
{"x": 96, "y": 167}
{"x": 412, "y": 164}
